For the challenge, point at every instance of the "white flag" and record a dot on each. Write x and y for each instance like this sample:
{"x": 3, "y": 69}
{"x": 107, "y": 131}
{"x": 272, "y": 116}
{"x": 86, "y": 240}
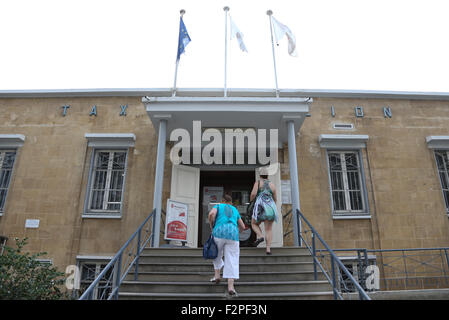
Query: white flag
{"x": 235, "y": 32}
{"x": 279, "y": 31}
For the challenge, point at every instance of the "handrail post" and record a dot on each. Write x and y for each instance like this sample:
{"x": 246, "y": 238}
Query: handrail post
{"x": 136, "y": 268}
{"x": 117, "y": 276}
{"x": 315, "y": 276}
{"x": 152, "y": 232}
{"x": 334, "y": 278}
{"x": 405, "y": 268}
{"x": 362, "y": 264}
{"x": 442, "y": 264}
{"x": 447, "y": 258}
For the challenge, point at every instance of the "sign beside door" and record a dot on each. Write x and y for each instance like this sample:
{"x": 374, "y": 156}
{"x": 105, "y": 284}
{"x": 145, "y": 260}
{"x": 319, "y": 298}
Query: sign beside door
{"x": 176, "y": 221}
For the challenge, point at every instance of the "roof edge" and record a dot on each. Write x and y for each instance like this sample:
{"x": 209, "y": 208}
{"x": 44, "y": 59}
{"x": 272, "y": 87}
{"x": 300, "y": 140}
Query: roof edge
{"x": 214, "y": 92}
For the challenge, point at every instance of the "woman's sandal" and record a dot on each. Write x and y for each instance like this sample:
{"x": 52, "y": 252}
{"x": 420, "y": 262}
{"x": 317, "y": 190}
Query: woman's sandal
{"x": 217, "y": 281}
{"x": 259, "y": 240}
{"x": 232, "y": 293}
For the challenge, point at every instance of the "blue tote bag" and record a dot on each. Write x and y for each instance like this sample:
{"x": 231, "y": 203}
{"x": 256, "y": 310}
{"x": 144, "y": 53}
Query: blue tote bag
{"x": 210, "y": 249}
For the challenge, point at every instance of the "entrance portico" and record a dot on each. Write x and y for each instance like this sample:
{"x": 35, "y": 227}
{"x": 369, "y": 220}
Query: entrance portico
{"x": 285, "y": 115}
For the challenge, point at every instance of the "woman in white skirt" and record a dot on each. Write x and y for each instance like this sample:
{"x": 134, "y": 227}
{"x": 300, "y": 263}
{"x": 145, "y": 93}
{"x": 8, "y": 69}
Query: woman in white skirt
{"x": 226, "y": 222}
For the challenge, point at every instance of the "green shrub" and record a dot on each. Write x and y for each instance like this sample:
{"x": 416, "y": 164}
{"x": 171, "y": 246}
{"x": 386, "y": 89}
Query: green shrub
{"x": 23, "y": 277}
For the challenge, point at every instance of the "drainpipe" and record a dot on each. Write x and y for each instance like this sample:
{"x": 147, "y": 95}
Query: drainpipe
{"x": 294, "y": 180}
{"x": 159, "y": 180}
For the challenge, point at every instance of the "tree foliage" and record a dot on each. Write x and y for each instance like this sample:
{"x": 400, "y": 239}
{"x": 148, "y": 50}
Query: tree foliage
{"x": 23, "y": 277}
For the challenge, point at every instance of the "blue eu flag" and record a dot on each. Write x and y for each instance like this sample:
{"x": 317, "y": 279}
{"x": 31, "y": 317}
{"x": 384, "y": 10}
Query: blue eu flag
{"x": 184, "y": 38}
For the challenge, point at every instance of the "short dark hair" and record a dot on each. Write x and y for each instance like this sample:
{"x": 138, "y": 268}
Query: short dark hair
{"x": 227, "y": 198}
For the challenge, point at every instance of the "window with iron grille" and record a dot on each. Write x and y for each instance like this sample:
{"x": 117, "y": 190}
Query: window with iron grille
{"x": 357, "y": 268}
{"x": 442, "y": 159}
{"x": 89, "y": 271}
{"x": 347, "y": 190}
{"x": 107, "y": 182}
{"x": 7, "y": 158}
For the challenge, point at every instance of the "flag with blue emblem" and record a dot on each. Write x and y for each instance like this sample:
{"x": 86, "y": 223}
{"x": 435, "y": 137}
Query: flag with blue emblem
{"x": 184, "y": 38}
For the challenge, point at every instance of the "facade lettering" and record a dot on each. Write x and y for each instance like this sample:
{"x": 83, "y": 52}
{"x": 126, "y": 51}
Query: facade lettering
{"x": 358, "y": 111}
{"x": 123, "y": 109}
{"x": 93, "y": 112}
{"x": 64, "y": 111}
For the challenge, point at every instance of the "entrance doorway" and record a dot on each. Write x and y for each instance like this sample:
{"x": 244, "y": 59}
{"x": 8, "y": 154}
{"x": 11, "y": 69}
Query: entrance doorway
{"x": 188, "y": 186}
{"x": 213, "y": 184}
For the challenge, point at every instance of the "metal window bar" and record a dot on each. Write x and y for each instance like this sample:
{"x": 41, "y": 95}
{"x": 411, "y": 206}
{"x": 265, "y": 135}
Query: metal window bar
{"x": 119, "y": 268}
{"x": 287, "y": 228}
{"x": 7, "y": 158}
{"x": 346, "y": 182}
{"x": 90, "y": 271}
{"x": 357, "y": 266}
{"x": 442, "y": 160}
{"x": 108, "y": 180}
{"x": 328, "y": 267}
{"x": 3, "y": 241}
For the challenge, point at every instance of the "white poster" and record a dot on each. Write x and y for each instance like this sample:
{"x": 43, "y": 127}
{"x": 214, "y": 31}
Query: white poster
{"x": 286, "y": 192}
{"x": 212, "y": 194}
{"x": 176, "y": 221}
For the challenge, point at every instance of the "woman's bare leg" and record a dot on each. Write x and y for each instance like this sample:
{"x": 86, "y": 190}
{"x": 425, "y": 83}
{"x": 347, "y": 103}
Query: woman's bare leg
{"x": 268, "y": 225}
{"x": 231, "y": 284}
{"x": 256, "y": 228}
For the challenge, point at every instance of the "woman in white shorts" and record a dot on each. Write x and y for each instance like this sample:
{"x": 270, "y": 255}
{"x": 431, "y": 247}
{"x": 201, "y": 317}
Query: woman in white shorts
{"x": 227, "y": 222}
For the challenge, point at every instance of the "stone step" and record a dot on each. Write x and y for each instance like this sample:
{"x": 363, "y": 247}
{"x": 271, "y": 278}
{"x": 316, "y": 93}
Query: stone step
{"x": 181, "y": 273}
{"x": 244, "y": 276}
{"x": 253, "y": 257}
{"x": 325, "y": 295}
{"x": 207, "y": 266}
{"x": 243, "y": 251}
{"x": 208, "y": 287}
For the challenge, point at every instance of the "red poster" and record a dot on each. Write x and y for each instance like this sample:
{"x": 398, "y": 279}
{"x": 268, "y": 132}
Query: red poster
{"x": 176, "y": 221}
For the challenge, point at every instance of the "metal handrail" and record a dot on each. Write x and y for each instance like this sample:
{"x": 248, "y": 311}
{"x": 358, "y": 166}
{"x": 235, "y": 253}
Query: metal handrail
{"x": 334, "y": 260}
{"x": 403, "y": 264}
{"x": 116, "y": 263}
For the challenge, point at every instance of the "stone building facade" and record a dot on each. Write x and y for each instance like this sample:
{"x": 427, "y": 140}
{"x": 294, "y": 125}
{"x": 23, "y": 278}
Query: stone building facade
{"x": 371, "y": 168}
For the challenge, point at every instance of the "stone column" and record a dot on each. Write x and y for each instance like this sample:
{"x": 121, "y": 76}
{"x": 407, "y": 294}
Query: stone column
{"x": 158, "y": 181}
{"x": 294, "y": 180}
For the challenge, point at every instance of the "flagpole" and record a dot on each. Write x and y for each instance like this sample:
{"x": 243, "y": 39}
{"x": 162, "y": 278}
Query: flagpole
{"x": 176, "y": 75}
{"x": 269, "y": 13}
{"x": 177, "y": 60}
{"x": 226, "y": 9}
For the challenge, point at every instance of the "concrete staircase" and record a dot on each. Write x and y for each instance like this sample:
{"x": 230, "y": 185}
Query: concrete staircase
{"x": 172, "y": 273}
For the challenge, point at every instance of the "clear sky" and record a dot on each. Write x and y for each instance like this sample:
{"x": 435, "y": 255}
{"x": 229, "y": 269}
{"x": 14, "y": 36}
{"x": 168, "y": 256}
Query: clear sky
{"x": 341, "y": 44}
